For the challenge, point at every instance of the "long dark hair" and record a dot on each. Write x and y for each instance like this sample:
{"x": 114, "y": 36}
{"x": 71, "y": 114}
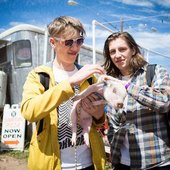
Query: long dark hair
{"x": 137, "y": 61}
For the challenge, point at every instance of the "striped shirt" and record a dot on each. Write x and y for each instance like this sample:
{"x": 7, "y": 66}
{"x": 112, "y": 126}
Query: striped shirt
{"x": 144, "y": 120}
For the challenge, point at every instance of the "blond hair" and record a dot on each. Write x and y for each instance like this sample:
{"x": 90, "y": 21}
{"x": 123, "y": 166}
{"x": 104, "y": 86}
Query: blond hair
{"x": 66, "y": 25}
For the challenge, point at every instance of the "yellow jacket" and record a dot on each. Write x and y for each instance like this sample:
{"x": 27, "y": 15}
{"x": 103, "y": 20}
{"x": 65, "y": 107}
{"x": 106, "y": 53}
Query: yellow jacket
{"x": 44, "y": 153}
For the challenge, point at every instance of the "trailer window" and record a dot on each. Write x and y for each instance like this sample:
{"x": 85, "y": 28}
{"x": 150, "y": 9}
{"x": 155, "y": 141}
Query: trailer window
{"x": 3, "y": 56}
{"x": 22, "y": 53}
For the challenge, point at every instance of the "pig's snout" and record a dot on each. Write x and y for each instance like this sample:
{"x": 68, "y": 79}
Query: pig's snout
{"x": 119, "y": 105}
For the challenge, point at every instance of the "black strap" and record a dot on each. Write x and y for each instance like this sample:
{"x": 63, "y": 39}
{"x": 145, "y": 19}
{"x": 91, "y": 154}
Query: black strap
{"x": 150, "y": 72}
{"x": 90, "y": 81}
{"x": 44, "y": 79}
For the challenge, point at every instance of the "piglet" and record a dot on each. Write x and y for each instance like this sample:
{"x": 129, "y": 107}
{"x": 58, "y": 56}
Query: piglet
{"x": 79, "y": 116}
{"x": 111, "y": 93}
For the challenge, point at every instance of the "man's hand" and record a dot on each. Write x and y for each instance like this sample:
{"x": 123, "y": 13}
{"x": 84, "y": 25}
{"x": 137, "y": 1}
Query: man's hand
{"x": 106, "y": 77}
{"x": 94, "y": 110}
{"x": 85, "y": 72}
{"x": 97, "y": 87}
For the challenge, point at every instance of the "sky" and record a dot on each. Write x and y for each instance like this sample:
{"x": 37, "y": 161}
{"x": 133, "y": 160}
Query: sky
{"x": 148, "y": 21}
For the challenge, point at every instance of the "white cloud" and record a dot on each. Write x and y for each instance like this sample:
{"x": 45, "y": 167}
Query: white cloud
{"x": 2, "y": 30}
{"x": 145, "y": 3}
{"x": 14, "y": 23}
{"x": 164, "y": 3}
{"x": 153, "y": 40}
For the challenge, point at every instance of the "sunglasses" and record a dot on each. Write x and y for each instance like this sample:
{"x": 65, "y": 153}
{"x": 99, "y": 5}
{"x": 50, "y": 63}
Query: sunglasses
{"x": 69, "y": 43}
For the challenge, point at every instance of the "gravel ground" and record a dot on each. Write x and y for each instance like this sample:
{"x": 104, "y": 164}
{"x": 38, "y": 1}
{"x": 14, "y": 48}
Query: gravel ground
{"x": 11, "y": 163}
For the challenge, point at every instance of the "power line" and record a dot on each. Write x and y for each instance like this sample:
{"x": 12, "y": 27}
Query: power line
{"x": 133, "y": 19}
{"x": 155, "y": 52}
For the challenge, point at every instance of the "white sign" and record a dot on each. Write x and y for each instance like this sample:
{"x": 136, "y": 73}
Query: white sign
{"x": 13, "y": 129}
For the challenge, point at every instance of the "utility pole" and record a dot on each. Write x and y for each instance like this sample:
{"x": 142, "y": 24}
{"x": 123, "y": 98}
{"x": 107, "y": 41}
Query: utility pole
{"x": 121, "y": 24}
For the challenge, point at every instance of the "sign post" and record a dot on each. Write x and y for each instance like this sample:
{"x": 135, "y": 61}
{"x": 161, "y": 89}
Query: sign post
{"x": 13, "y": 129}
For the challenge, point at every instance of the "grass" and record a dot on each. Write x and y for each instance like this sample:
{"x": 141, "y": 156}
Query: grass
{"x": 16, "y": 154}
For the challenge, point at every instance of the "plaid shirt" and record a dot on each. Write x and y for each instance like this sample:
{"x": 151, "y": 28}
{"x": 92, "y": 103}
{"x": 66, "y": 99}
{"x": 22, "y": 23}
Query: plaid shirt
{"x": 145, "y": 121}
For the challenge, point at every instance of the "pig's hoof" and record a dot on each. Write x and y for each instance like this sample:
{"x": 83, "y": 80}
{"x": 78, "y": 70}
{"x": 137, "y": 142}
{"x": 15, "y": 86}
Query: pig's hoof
{"x": 87, "y": 143}
{"x": 73, "y": 140}
{"x": 86, "y": 139}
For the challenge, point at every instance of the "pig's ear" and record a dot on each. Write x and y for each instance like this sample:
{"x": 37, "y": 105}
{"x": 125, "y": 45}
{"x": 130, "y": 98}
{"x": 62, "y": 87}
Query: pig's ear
{"x": 105, "y": 81}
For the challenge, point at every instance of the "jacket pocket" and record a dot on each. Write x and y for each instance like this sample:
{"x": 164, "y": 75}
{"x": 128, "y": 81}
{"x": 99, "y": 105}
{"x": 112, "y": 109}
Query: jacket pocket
{"x": 40, "y": 152}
